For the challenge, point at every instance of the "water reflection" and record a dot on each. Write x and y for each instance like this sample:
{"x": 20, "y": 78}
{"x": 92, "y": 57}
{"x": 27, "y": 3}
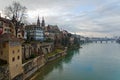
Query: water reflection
{"x": 69, "y": 56}
{"x": 57, "y": 64}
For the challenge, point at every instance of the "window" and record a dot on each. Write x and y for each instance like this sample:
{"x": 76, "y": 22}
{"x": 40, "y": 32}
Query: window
{"x": 10, "y": 30}
{"x": 19, "y": 36}
{"x": 13, "y": 51}
{"x": 18, "y": 57}
{"x": 4, "y": 45}
{"x": 1, "y": 53}
{"x": 18, "y": 50}
{"x": 13, "y": 59}
{"x": 5, "y": 29}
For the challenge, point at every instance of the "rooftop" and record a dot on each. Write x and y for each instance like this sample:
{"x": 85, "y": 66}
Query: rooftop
{"x": 8, "y": 37}
{"x": 5, "y": 20}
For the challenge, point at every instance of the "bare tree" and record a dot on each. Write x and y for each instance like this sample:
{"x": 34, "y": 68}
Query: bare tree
{"x": 16, "y": 10}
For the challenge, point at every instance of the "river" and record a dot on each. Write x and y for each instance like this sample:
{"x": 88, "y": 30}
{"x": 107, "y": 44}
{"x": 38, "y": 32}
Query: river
{"x": 95, "y": 61}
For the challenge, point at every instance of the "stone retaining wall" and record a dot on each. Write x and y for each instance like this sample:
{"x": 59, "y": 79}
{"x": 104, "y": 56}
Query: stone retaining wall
{"x": 56, "y": 56}
{"x": 4, "y": 73}
{"x": 33, "y": 65}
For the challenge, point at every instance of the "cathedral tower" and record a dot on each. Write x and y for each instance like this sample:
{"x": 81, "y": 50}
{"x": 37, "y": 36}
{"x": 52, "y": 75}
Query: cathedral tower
{"x": 38, "y": 22}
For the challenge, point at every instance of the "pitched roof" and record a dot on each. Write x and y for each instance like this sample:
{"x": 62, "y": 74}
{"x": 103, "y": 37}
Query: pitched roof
{"x": 53, "y": 28}
{"x": 5, "y": 20}
{"x": 8, "y": 37}
{"x": 31, "y": 27}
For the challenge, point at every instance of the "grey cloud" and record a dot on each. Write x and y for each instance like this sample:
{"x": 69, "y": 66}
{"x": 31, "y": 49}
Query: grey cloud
{"x": 102, "y": 19}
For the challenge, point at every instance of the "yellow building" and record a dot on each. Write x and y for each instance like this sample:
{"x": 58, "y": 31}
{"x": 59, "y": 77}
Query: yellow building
{"x": 20, "y": 32}
{"x": 6, "y": 26}
{"x": 11, "y": 51}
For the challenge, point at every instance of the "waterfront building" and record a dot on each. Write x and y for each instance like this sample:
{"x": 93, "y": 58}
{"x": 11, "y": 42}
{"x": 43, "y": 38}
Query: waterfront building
{"x": 9, "y": 26}
{"x": 64, "y": 33}
{"x": 6, "y": 26}
{"x": 11, "y": 52}
{"x": 20, "y": 31}
{"x": 72, "y": 40}
{"x": 19, "y": 28}
{"x": 52, "y": 31}
{"x": 34, "y": 32}
{"x": 82, "y": 39}
{"x": 43, "y": 23}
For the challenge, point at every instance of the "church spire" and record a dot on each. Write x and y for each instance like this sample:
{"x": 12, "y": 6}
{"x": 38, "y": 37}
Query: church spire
{"x": 38, "y": 22}
{"x": 43, "y": 22}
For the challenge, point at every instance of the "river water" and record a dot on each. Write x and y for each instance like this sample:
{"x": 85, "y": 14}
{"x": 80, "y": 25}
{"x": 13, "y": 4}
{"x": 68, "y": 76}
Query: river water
{"x": 95, "y": 61}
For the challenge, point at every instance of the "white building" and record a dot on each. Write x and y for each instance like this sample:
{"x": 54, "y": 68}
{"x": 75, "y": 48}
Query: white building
{"x": 34, "y": 32}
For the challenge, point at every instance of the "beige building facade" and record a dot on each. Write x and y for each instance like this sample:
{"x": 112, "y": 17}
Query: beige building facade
{"x": 6, "y": 26}
{"x": 11, "y": 51}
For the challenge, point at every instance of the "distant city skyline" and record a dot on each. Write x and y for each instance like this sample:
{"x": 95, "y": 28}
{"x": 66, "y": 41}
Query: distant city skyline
{"x": 94, "y": 18}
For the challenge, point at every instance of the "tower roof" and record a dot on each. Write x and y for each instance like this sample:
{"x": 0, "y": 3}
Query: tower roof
{"x": 38, "y": 21}
{"x": 43, "y": 22}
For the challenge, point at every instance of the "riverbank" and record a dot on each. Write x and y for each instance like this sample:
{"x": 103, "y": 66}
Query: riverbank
{"x": 74, "y": 46}
{"x": 41, "y": 70}
{"x": 31, "y": 73}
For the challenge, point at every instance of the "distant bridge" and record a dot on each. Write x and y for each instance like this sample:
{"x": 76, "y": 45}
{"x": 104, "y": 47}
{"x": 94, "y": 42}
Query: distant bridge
{"x": 103, "y": 40}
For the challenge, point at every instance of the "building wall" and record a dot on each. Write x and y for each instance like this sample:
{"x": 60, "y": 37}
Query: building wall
{"x": 15, "y": 60}
{"x": 19, "y": 35}
{"x": 4, "y": 72}
{"x": 12, "y": 53}
{"x": 26, "y": 51}
{"x": 33, "y": 65}
{"x": 7, "y": 27}
{"x": 4, "y": 50}
{"x": 21, "y": 32}
{"x": 50, "y": 35}
{"x": 34, "y": 32}
{"x": 47, "y": 48}
{"x": 38, "y": 35}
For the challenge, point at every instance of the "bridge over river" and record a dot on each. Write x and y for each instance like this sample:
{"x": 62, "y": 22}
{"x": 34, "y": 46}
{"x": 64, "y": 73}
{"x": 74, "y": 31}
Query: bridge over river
{"x": 103, "y": 40}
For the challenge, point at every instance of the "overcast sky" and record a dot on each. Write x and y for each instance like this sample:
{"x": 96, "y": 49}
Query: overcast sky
{"x": 85, "y": 17}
